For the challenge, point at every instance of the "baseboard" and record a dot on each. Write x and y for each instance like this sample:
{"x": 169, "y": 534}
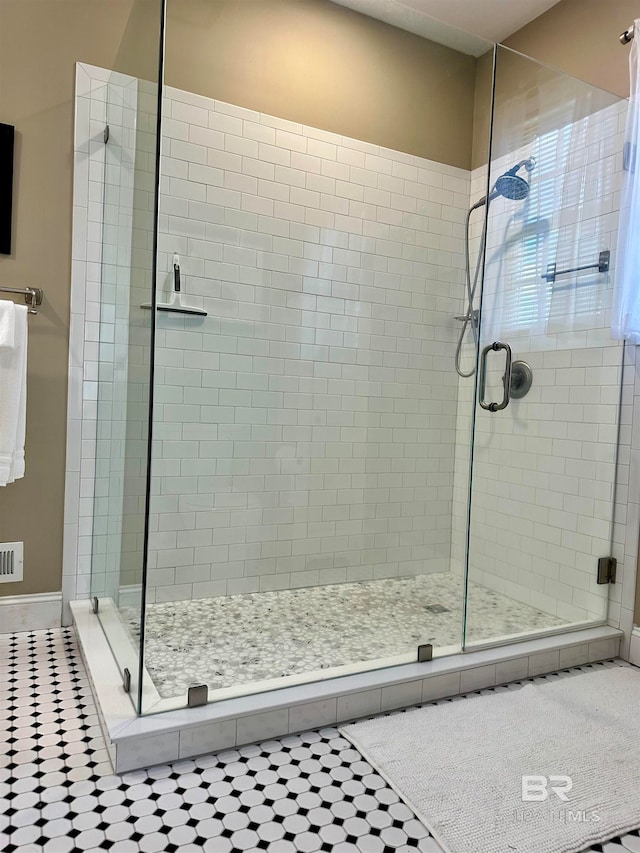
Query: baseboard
{"x": 634, "y": 650}
{"x": 30, "y": 612}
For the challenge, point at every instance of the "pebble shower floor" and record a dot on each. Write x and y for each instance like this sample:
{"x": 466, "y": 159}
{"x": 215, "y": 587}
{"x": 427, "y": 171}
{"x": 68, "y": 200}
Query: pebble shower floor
{"x": 301, "y": 793}
{"x": 240, "y": 639}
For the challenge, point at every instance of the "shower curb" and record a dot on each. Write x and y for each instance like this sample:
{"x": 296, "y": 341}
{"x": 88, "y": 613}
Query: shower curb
{"x": 134, "y": 742}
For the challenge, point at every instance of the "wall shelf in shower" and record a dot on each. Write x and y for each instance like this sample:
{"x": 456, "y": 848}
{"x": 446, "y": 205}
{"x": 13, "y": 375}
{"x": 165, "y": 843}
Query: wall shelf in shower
{"x": 176, "y": 309}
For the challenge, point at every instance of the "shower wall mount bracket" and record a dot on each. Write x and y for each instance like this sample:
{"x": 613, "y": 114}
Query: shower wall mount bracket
{"x": 607, "y": 567}
{"x": 425, "y": 653}
{"x": 197, "y": 694}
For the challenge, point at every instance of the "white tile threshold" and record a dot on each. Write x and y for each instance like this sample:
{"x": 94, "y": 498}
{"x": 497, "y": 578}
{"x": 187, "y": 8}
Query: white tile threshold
{"x": 136, "y": 742}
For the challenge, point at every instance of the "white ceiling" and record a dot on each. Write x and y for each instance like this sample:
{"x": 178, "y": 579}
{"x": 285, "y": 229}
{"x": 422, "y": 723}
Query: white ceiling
{"x": 492, "y": 20}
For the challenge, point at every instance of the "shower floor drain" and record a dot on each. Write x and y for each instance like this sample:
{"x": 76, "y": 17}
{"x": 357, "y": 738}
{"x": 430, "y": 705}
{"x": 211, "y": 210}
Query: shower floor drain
{"x": 436, "y": 608}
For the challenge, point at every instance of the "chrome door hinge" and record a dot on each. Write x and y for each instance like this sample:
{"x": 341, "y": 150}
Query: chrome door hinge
{"x": 607, "y": 569}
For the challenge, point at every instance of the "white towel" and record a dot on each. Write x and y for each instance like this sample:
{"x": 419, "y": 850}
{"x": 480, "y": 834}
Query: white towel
{"x": 7, "y": 324}
{"x": 13, "y": 401}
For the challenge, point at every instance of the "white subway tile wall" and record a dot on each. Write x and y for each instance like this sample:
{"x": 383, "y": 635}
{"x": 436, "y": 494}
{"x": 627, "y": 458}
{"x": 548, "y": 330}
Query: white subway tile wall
{"x": 306, "y": 430}
{"x": 305, "y": 427}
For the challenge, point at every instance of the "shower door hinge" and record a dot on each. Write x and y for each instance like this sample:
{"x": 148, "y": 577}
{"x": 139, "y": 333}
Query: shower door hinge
{"x": 106, "y": 134}
{"x": 425, "y": 652}
{"x": 95, "y": 604}
{"x": 197, "y": 694}
{"x": 126, "y": 680}
{"x": 607, "y": 569}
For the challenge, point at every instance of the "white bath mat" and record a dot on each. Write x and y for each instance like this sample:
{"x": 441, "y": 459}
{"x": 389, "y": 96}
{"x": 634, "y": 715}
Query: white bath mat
{"x": 463, "y": 766}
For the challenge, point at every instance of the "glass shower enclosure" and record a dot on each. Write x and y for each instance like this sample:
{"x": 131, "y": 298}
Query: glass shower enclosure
{"x": 356, "y": 405}
{"x": 543, "y": 470}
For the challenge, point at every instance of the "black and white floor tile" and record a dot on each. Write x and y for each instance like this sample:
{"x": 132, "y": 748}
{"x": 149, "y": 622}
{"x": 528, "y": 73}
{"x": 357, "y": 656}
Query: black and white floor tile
{"x": 309, "y": 792}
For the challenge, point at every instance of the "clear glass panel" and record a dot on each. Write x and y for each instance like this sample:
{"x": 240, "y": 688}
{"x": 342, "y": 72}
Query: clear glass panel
{"x": 310, "y": 489}
{"x": 123, "y": 159}
{"x": 544, "y": 467}
{"x": 304, "y": 429}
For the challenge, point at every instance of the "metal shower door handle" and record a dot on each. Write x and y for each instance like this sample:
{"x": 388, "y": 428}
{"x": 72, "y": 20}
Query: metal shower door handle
{"x": 495, "y": 347}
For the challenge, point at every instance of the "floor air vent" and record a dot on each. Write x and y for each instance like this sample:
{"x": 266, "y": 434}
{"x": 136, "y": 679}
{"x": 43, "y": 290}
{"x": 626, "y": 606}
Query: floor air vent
{"x": 11, "y": 561}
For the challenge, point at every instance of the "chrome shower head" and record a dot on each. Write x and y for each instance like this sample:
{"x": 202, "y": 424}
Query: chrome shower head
{"x": 510, "y": 185}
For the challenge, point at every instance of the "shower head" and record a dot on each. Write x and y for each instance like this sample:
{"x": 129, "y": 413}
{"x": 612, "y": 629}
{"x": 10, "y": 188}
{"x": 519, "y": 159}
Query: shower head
{"x": 510, "y": 185}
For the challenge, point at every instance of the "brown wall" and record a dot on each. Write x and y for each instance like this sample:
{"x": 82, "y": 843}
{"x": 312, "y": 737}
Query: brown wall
{"x": 580, "y": 37}
{"x": 482, "y": 109}
{"x": 326, "y": 66}
{"x": 40, "y": 41}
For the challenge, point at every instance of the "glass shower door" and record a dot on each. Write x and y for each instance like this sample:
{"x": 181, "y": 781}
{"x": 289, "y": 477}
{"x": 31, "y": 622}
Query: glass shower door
{"x": 123, "y": 180}
{"x": 548, "y": 374}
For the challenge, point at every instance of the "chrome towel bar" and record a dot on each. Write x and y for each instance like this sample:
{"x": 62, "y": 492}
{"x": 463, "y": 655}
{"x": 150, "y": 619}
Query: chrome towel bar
{"x": 33, "y": 296}
{"x": 628, "y": 35}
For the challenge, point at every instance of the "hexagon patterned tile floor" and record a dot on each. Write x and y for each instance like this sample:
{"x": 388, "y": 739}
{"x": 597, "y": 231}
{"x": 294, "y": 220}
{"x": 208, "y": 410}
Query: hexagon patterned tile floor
{"x": 309, "y": 792}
